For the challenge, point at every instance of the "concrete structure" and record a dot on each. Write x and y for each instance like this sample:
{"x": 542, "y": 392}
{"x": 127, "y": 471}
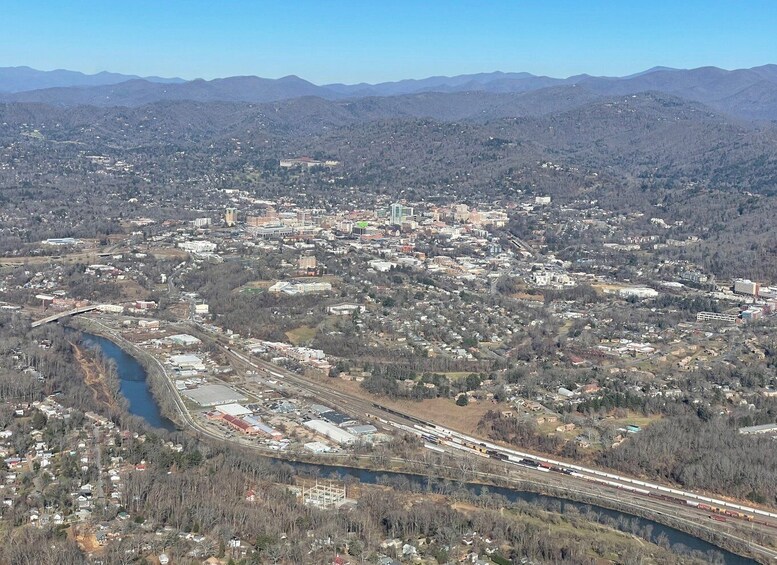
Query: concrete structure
{"x": 716, "y": 317}
{"x": 46, "y": 299}
{"x": 748, "y": 287}
{"x": 324, "y": 494}
{"x": 230, "y": 217}
{"x": 56, "y": 317}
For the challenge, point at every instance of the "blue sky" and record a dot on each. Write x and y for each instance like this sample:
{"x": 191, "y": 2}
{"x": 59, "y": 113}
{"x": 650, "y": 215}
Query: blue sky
{"x": 377, "y": 40}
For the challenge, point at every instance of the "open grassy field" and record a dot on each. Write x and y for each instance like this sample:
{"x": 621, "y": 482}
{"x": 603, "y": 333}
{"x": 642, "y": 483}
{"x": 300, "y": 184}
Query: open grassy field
{"x": 301, "y": 335}
{"x": 255, "y": 286}
{"x": 457, "y": 375}
{"x": 637, "y": 419}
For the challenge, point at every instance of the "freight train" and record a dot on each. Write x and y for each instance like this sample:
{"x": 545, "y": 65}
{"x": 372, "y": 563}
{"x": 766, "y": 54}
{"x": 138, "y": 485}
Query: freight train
{"x": 437, "y": 435}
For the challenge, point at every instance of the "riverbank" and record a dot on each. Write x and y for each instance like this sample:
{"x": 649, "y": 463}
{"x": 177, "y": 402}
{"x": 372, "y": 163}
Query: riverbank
{"x": 145, "y": 391}
{"x": 99, "y": 378}
{"x": 423, "y": 470}
{"x": 423, "y": 473}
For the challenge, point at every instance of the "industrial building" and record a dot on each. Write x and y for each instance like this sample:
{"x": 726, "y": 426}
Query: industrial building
{"x": 184, "y": 340}
{"x": 213, "y": 395}
{"x": 199, "y": 246}
{"x": 762, "y": 429}
{"x": 187, "y": 362}
{"x": 233, "y": 409}
{"x": 331, "y": 431}
{"x": 363, "y": 430}
{"x": 61, "y": 241}
{"x": 317, "y": 447}
{"x": 637, "y": 292}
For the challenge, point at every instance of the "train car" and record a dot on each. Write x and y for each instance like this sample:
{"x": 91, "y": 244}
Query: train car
{"x": 718, "y": 517}
{"x": 398, "y": 413}
{"x": 475, "y": 446}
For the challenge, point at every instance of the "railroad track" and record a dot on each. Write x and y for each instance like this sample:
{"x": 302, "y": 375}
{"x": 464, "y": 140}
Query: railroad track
{"x": 680, "y": 505}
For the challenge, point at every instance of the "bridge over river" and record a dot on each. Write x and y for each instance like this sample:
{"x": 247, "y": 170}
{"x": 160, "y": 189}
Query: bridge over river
{"x": 60, "y": 315}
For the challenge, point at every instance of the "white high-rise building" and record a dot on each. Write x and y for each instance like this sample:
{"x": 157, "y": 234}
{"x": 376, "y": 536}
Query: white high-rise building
{"x": 399, "y": 213}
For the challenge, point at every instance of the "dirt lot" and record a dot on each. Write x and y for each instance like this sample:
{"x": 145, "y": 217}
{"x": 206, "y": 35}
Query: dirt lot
{"x": 85, "y": 540}
{"x": 439, "y": 410}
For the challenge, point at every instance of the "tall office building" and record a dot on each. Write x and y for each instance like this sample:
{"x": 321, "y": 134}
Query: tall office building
{"x": 399, "y": 213}
{"x": 230, "y": 217}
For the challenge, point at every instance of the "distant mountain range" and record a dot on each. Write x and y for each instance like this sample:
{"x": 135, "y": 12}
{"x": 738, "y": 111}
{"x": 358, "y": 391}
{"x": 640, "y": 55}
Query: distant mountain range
{"x": 23, "y": 79}
{"x": 749, "y": 94}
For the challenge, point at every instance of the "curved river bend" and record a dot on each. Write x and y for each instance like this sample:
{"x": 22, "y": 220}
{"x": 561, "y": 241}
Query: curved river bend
{"x": 132, "y": 382}
{"x": 134, "y": 387}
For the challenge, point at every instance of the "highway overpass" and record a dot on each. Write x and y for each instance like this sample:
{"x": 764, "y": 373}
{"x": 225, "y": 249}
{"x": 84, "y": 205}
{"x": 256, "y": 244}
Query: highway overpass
{"x": 60, "y": 315}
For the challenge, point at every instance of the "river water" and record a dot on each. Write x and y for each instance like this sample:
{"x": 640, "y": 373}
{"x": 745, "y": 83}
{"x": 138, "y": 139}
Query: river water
{"x": 132, "y": 382}
{"x": 134, "y": 387}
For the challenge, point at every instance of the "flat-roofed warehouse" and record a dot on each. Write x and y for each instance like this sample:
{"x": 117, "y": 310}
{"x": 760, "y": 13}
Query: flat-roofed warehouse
{"x": 331, "y": 431}
{"x": 212, "y": 395}
{"x": 762, "y": 429}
